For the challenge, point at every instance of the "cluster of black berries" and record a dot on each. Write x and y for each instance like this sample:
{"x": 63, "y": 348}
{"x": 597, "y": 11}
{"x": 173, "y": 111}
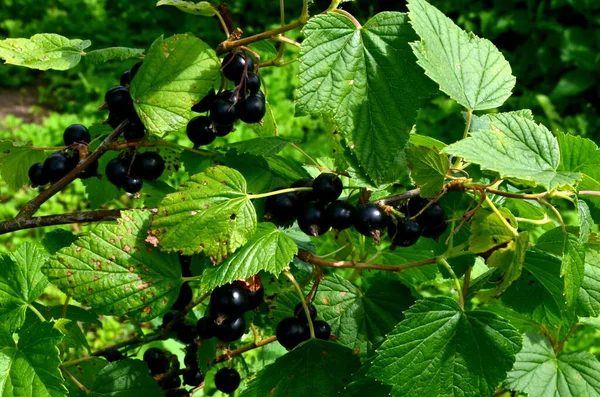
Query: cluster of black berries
{"x": 292, "y": 331}
{"x": 59, "y": 164}
{"x": 130, "y": 169}
{"x": 422, "y": 218}
{"x": 245, "y": 102}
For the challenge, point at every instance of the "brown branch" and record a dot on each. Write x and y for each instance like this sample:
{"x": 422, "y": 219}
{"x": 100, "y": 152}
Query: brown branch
{"x": 399, "y": 197}
{"x": 228, "y": 45}
{"x": 243, "y": 349}
{"x": 15, "y": 224}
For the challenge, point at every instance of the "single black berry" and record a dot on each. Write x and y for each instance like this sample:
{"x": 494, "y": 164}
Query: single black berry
{"x": 435, "y": 232}
{"x": 404, "y": 233}
{"x": 37, "y": 176}
{"x": 340, "y": 214}
{"x": 119, "y": 101}
{"x": 200, "y": 132}
{"x": 148, "y": 165}
{"x": 369, "y": 218}
{"x": 282, "y": 208}
{"x": 223, "y": 111}
{"x": 172, "y": 382}
{"x": 125, "y": 79}
{"x": 231, "y": 329}
{"x": 432, "y": 217}
{"x": 291, "y": 332}
{"x": 252, "y": 109}
{"x": 186, "y": 265}
{"x": 227, "y": 380}
{"x": 312, "y": 219}
{"x": 134, "y": 70}
{"x": 255, "y": 298}
{"x": 114, "y": 119}
{"x": 113, "y": 355}
{"x": 327, "y": 187}
{"x": 169, "y": 317}
{"x": 307, "y": 195}
{"x": 322, "y": 329}
{"x": 299, "y": 312}
{"x": 206, "y": 328}
{"x": 230, "y": 300}
{"x": 205, "y": 103}
{"x": 132, "y": 184}
{"x": 223, "y": 130}
{"x": 90, "y": 171}
{"x": 252, "y": 83}
{"x": 192, "y": 378}
{"x": 234, "y": 65}
{"x": 184, "y": 298}
{"x": 76, "y": 133}
{"x": 134, "y": 131}
{"x": 116, "y": 171}
{"x": 186, "y": 333}
{"x": 156, "y": 360}
{"x": 191, "y": 360}
{"x": 57, "y": 165}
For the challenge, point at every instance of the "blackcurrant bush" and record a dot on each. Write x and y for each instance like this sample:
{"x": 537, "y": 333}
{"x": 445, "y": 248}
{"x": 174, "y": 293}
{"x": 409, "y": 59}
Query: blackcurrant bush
{"x": 205, "y": 103}
{"x": 90, "y": 171}
{"x": 327, "y": 187}
{"x": 223, "y": 112}
{"x": 57, "y": 165}
{"x": 186, "y": 265}
{"x": 404, "y": 233}
{"x": 252, "y": 109}
{"x": 192, "y": 378}
{"x": 134, "y": 70}
{"x": 227, "y": 380}
{"x": 369, "y": 218}
{"x": 231, "y": 329}
{"x": 132, "y": 184}
{"x": 340, "y": 214}
{"x": 148, "y": 165}
{"x": 116, "y": 171}
{"x": 186, "y": 333}
{"x": 113, "y": 355}
{"x": 230, "y": 300}
{"x": 76, "y": 133}
{"x": 119, "y": 101}
{"x": 291, "y": 332}
{"x": 199, "y": 131}
{"x": 255, "y": 298}
{"x": 172, "y": 382}
{"x": 252, "y": 83}
{"x": 299, "y": 312}
{"x": 223, "y": 130}
{"x": 206, "y": 328}
{"x": 37, "y": 176}
{"x": 184, "y": 298}
{"x": 312, "y": 219}
{"x": 233, "y": 65}
{"x": 308, "y": 195}
{"x": 322, "y": 330}
{"x": 282, "y": 208}
{"x": 156, "y": 360}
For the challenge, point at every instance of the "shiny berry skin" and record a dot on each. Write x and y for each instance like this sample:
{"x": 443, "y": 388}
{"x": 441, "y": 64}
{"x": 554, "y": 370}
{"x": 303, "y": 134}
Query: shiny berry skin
{"x": 299, "y": 312}
{"x": 37, "y": 176}
{"x": 134, "y": 131}
{"x": 206, "y": 328}
{"x": 172, "y": 382}
{"x": 119, "y": 100}
{"x": 369, "y": 218}
{"x": 322, "y": 330}
{"x": 116, "y": 171}
{"x": 223, "y": 130}
{"x": 312, "y": 220}
{"x": 199, "y": 130}
{"x": 125, "y": 79}
{"x": 233, "y": 65}
{"x": 252, "y": 109}
{"x": 227, "y": 380}
{"x": 230, "y": 300}
{"x": 291, "y": 332}
{"x": 115, "y": 119}
{"x": 113, "y": 355}
{"x": 231, "y": 329}
{"x": 435, "y": 232}
{"x": 205, "y": 103}
{"x": 148, "y": 165}
{"x": 308, "y": 195}
{"x": 432, "y": 217}
{"x": 192, "y": 378}
{"x": 132, "y": 184}
{"x": 404, "y": 233}
{"x": 327, "y": 187}
{"x": 90, "y": 171}
{"x": 282, "y": 208}
{"x": 57, "y": 165}
{"x": 340, "y": 214}
{"x": 252, "y": 84}
{"x": 223, "y": 112}
{"x": 184, "y": 298}
{"x": 156, "y": 360}
{"x": 186, "y": 333}
{"x": 76, "y": 133}
{"x": 255, "y": 298}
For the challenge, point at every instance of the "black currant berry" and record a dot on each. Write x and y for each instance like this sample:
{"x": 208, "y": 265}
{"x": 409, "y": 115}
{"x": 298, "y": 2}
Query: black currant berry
{"x": 340, "y": 214}
{"x": 57, "y": 165}
{"x": 134, "y": 131}
{"x": 230, "y": 300}
{"x": 252, "y": 83}
{"x": 322, "y": 330}
{"x": 192, "y": 378}
{"x": 327, "y": 187}
{"x": 132, "y": 184}
{"x": 291, "y": 332}
{"x": 125, "y": 79}
{"x": 191, "y": 360}
{"x": 199, "y": 131}
{"x": 115, "y": 119}
{"x": 233, "y": 65}
{"x": 206, "y": 328}
{"x": 76, "y": 133}
{"x": 252, "y": 109}
{"x": 116, "y": 171}
{"x": 227, "y": 380}
{"x": 113, "y": 355}
{"x": 231, "y": 329}
{"x": 435, "y": 232}
{"x": 148, "y": 165}
{"x": 169, "y": 317}
{"x": 184, "y": 298}
{"x": 432, "y": 217}
{"x": 369, "y": 218}
{"x": 156, "y": 360}
{"x": 205, "y": 103}
{"x": 134, "y": 70}
{"x": 282, "y": 208}
{"x": 186, "y": 333}
{"x": 404, "y": 233}
{"x": 223, "y": 112}
{"x": 186, "y": 265}
{"x": 37, "y": 176}
{"x": 90, "y": 171}
{"x": 312, "y": 219}
{"x": 308, "y": 195}
{"x": 172, "y": 382}
{"x": 299, "y": 312}
{"x": 119, "y": 101}
{"x": 223, "y": 130}
{"x": 255, "y": 298}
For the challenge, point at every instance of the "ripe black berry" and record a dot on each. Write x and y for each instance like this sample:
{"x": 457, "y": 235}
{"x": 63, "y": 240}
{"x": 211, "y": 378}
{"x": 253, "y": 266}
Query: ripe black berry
{"x": 299, "y": 312}
{"x": 252, "y": 83}
{"x": 191, "y": 360}
{"x": 115, "y": 119}
{"x": 312, "y": 219}
{"x": 291, "y": 332}
{"x": 252, "y": 109}
{"x": 255, "y": 298}
{"x": 404, "y": 233}
{"x": 90, "y": 171}
{"x": 37, "y": 176}
{"x": 227, "y": 380}
{"x": 282, "y": 208}
{"x": 172, "y": 382}
{"x": 432, "y": 217}
{"x": 199, "y": 131}
{"x": 186, "y": 265}
{"x": 308, "y": 195}
{"x": 184, "y": 298}
{"x": 113, "y": 355}
{"x": 156, "y": 360}
{"x": 116, "y": 171}
{"x": 340, "y": 214}
{"x": 223, "y": 130}
{"x": 231, "y": 329}
{"x": 57, "y": 165}
{"x": 233, "y": 65}
{"x": 186, "y": 333}
{"x": 327, "y": 187}
{"x": 134, "y": 131}
{"x": 148, "y": 165}
{"x": 369, "y": 218}
{"x": 125, "y": 79}
{"x": 435, "y": 232}
{"x": 76, "y": 133}
{"x": 322, "y": 330}
{"x": 223, "y": 112}
{"x": 192, "y": 378}
{"x": 132, "y": 184}
{"x": 169, "y": 317}
{"x": 205, "y": 103}
{"x": 230, "y": 300}
{"x": 119, "y": 101}
{"x": 206, "y": 328}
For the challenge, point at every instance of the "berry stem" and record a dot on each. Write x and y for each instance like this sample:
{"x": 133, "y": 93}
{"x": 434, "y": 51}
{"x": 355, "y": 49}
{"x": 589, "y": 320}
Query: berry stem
{"x": 73, "y": 379}
{"x": 243, "y": 349}
{"x": 37, "y": 313}
{"x": 302, "y": 152}
{"x": 469, "y": 117}
{"x": 276, "y": 192}
{"x": 228, "y": 45}
{"x": 223, "y": 24}
{"x": 493, "y": 207}
{"x": 461, "y": 298}
{"x": 292, "y": 279}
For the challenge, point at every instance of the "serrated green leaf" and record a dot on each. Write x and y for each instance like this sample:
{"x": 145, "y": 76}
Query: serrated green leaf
{"x": 366, "y": 78}
{"x": 116, "y": 272}
{"x": 268, "y": 126}
{"x": 516, "y": 147}
{"x": 176, "y": 72}
{"x": 488, "y": 231}
{"x": 412, "y": 276}
{"x": 203, "y": 8}
{"x": 315, "y": 368}
{"x": 268, "y": 250}
{"x": 29, "y": 368}
{"x": 15, "y": 160}
{"x": 427, "y": 141}
{"x": 428, "y": 169}
{"x": 269, "y": 146}
{"x": 43, "y": 51}
{"x": 57, "y": 239}
{"x": 112, "y": 53}
{"x": 87, "y": 372}
{"x": 439, "y": 349}
{"x": 124, "y": 378}
{"x": 586, "y": 223}
{"x": 589, "y": 293}
{"x": 471, "y": 70}
{"x": 593, "y": 322}
{"x": 363, "y": 385}
{"x": 265, "y": 49}
{"x": 212, "y": 214}
{"x": 21, "y": 283}
{"x": 539, "y": 372}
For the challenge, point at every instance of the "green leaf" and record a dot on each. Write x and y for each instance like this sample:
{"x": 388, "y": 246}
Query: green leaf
{"x": 539, "y": 372}
{"x": 509, "y": 260}
{"x": 176, "y": 72}
{"x": 124, "y": 378}
{"x": 29, "y": 368}
{"x": 268, "y": 126}
{"x": 269, "y": 146}
{"x": 112, "y": 53}
{"x": 427, "y": 141}
{"x": 15, "y": 160}
{"x": 593, "y": 322}
{"x": 412, "y": 276}
{"x": 589, "y": 293}
{"x": 203, "y": 8}
{"x": 211, "y": 213}
{"x": 367, "y": 80}
{"x": 87, "y": 372}
{"x": 57, "y": 239}
{"x": 315, "y": 368}
{"x": 488, "y": 231}
{"x": 516, "y": 147}
{"x": 440, "y": 349}
{"x": 43, "y": 51}
{"x": 116, "y": 272}
{"x": 21, "y": 283}
{"x": 428, "y": 169}
{"x": 471, "y": 70}
{"x": 268, "y": 250}
{"x": 206, "y": 354}
{"x": 363, "y": 385}
{"x": 586, "y": 223}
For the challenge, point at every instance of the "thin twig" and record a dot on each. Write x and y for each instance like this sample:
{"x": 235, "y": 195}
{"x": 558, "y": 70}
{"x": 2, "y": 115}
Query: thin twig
{"x": 243, "y": 349}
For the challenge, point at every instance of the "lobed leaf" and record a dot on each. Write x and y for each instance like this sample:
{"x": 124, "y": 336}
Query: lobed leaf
{"x": 15, "y": 160}
{"x": 428, "y": 169}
